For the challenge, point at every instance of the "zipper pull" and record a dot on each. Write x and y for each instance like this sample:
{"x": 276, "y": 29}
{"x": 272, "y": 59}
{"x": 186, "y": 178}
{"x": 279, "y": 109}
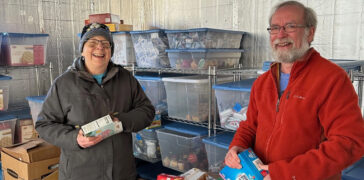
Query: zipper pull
{"x": 289, "y": 92}
{"x": 277, "y": 106}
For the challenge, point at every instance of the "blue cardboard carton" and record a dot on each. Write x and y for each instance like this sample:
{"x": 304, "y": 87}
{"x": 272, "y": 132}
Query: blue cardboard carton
{"x": 249, "y": 171}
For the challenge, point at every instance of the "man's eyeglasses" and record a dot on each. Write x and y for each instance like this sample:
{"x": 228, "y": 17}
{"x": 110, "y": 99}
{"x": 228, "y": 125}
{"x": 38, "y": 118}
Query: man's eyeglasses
{"x": 288, "y": 28}
{"x": 92, "y": 43}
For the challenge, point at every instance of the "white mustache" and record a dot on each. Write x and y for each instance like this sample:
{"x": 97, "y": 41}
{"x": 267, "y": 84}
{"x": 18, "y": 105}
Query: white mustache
{"x": 285, "y": 40}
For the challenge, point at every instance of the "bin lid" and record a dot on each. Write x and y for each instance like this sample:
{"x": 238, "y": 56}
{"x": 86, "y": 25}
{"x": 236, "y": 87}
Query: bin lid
{"x": 204, "y": 30}
{"x": 21, "y": 113}
{"x": 120, "y": 32}
{"x": 266, "y": 65}
{"x": 222, "y": 140}
{"x": 196, "y": 79}
{"x": 2, "y": 77}
{"x": 243, "y": 85}
{"x": 156, "y": 76}
{"x": 186, "y": 129}
{"x": 24, "y": 35}
{"x": 348, "y": 64}
{"x": 206, "y": 50}
{"x": 39, "y": 99}
{"x": 147, "y": 31}
{"x": 6, "y": 116}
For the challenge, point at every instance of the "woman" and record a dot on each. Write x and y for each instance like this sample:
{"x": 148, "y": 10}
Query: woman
{"x": 91, "y": 88}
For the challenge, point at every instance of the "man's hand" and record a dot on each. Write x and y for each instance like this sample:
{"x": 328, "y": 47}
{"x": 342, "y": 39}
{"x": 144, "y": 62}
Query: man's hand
{"x": 265, "y": 167}
{"x": 86, "y": 142}
{"x": 231, "y": 159}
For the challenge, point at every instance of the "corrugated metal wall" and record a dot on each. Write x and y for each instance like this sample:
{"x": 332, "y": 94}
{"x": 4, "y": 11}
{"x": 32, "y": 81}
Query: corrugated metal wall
{"x": 339, "y": 34}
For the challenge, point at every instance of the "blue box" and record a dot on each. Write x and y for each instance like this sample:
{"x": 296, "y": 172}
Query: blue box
{"x": 249, "y": 170}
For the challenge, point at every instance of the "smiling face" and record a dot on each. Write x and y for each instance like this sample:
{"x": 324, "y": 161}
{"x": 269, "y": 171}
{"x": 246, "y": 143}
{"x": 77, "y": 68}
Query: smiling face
{"x": 97, "y": 54}
{"x": 288, "y": 47}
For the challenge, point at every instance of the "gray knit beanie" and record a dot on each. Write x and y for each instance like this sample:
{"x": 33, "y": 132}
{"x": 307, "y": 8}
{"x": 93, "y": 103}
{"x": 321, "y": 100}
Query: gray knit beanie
{"x": 95, "y": 29}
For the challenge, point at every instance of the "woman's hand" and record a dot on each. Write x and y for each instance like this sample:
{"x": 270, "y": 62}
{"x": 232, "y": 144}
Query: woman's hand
{"x": 86, "y": 142}
{"x": 231, "y": 159}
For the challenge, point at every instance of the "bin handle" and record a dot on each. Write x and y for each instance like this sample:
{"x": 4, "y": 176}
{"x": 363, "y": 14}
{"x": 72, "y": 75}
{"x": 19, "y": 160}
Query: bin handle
{"x": 12, "y": 173}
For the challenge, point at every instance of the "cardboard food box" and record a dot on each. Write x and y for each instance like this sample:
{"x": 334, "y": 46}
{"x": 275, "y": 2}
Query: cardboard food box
{"x": 31, "y": 160}
{"x": 24, "y": 130}
{"x": 125, "y": 27}
{"x": 194, "y": 174}
{"x": 104, "y": 126}
{"x": 112, "y": 27}
{"x": 104, "y": 18}
{"x": 22, "y": 55}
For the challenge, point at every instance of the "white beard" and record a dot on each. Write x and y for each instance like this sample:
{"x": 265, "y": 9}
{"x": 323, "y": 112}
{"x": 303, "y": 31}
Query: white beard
{"x": 293, "y": 54}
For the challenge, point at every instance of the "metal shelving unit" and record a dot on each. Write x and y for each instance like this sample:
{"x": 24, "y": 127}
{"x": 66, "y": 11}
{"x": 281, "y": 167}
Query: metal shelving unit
{"x": 212, "y": 73}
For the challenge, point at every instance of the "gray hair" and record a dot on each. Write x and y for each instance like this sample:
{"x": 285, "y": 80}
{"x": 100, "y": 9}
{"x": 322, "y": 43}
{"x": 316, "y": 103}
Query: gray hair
{"x": 310, "y": 17}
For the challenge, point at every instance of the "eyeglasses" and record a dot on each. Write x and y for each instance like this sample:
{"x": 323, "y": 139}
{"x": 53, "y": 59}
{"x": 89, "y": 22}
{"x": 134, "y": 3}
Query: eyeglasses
{"x": 288, "y": 28}
{"x": 92, "y": 43}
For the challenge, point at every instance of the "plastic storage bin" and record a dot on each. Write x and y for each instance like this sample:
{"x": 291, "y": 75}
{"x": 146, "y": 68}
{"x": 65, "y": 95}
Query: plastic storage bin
{"x": 7, "y": 129}
{"x": 204, "y": 38}
{"x": 35, "y": 103}
{"x": 188, "y": 97}
{"x": 203, "y": 58}
{"x": 150, "y": 48}
{"x": 216, "y": 148}
{"x": 349, "y": 64}
{"x": 1, "y": 37}
{"x": 146, "y": 146}
{"x": 233, "y": 99}
{"x": 153, "y": 87}
{"x": 123, "y": 50}
{"x": 181, "y": 146}
{"x": 4, "y": 92}
{"x": 354, "y": 172}
{"x": 19, "y": 49}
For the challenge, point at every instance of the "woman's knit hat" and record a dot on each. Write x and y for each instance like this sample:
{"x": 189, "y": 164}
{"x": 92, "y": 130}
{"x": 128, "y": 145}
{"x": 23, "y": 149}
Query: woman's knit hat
{"x": 95, "y": 29}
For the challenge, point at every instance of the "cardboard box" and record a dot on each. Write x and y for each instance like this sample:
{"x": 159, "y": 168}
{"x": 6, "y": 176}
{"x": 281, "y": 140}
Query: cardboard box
{"x": 125, "y": 27}
{"x": 24, "y": 130}
{"x": 23, "y": 55}
{"x": 112, "y": 27}
{"x": 52, "y": 176}
{"x": 7, "y": 130}
{"x": 105, "y": 18}
{"x": 32, "y": 160}
{"x": 194, "y": 174}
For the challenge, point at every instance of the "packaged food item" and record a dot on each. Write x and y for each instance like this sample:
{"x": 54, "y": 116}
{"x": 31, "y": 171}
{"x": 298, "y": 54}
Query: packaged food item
{"x": 104, "y": 126}
{"x": 250, "y": 169}
{"x": 164, "y": 176}
{"x": 194, "y": 174}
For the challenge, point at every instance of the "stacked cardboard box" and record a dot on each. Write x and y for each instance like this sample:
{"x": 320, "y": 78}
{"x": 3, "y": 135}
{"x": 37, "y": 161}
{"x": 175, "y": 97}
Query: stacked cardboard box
{"x": 34, "y": 159}
{"x": 113, "y": 21}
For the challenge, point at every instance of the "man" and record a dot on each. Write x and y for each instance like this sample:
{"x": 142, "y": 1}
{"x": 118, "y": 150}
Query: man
{"x": 303, "y": 119}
